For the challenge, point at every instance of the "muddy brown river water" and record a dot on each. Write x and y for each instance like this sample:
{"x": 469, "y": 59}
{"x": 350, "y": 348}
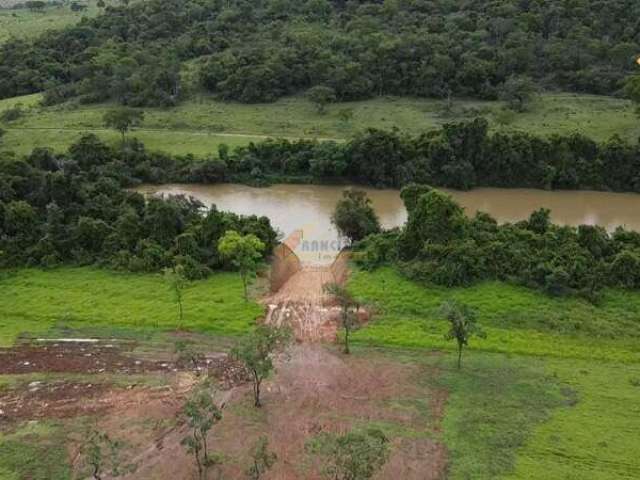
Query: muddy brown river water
{"x": 302, "y": 212}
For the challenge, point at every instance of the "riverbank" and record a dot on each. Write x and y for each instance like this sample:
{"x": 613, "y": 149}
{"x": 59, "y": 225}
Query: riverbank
{"x": 307, "y": 208}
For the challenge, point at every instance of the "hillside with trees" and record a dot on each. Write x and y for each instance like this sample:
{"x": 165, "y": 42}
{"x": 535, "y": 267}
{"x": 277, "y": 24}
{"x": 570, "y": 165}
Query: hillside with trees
{"x": 258, "y": 51}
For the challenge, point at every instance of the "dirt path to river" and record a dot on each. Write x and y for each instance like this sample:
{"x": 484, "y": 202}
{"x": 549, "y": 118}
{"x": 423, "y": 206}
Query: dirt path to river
{"x": 301, "y": 304}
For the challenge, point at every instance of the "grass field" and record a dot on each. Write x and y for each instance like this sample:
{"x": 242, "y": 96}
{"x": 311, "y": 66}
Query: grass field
{"x": 556, "y": 403}
{"x": 35, "y": 301}
{"x": 23, "y": 23}
{"x": 518, "y": 320}
{"x": 551, "y": 393}
{"x": 198, "y": 126}
{"x": 35, "y": 451}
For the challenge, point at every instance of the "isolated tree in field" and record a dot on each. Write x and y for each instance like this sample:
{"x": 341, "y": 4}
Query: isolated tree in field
{"x": 78, "y": 7}
{"x": 262, "y": 459}
{"x": 352, "y": 456}
{"x": 504, "y": 117}
{"x": 102, "y": 456}
{"x": 463, "y": 326}
{"x": 346, "y": 115}
{"x": 321, "y": 96}
{"x": 354, "y": 217}
{"x": 256, "y": 351}
{"x": 100, "y": 4}
{"x": 244, "y": 252}
{"x": 123, "y": 119}
{"x": 518, "y": 92}
{"x": 175, "y": 279}
{"x": 35, "y": 5}
{"x": 348, "y": 310}
{"x": 201, "y": 414}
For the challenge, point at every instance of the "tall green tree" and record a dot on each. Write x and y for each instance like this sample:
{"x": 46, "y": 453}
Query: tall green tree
{"x": 321, "y": 96}
{"x": 354, "y": 216}
{"x": 348, "y": 310}
{"x": 433, "y": 217}
{"x": 518, "y": 92}
{"x": 462, "y": 325}
{"x": 632, "y": 90}
{"x": 201, "y": 414}
{"x": 256, "y": 351}
{"x": 123, "y": 119}
{"x": 176, "y": 281}
{"x": 244, "y": 252}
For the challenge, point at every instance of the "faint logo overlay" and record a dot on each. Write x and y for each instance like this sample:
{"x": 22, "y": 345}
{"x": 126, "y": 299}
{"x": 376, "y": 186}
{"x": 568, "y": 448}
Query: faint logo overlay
{"x": 308, "y": 247}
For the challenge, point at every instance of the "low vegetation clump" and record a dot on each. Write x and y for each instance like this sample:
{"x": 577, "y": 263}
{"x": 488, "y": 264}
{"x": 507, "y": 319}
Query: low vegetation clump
{"x": 353, "y": 455}
{"x": 103, "y": 455}
{"x": 439, "y": 244}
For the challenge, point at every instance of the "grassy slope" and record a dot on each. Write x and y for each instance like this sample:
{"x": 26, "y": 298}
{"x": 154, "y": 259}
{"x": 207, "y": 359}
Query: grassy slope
{"x": 556, "y": 403}
{"x": 22, "y": 23}
{"x": 197, "y": 126}
{"x": 517, "y": 320}
{"x": 35, "y": 451}
{"x": 35, "y": 301}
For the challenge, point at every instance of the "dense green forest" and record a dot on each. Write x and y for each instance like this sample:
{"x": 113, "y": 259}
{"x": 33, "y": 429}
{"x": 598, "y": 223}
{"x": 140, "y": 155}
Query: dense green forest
{"x": 74, "y": 210}
{"x": 440, "y": 245}
{"x": 259, "y": 50}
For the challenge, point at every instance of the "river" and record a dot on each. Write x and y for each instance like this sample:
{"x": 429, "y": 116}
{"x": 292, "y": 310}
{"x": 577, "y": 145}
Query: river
{"x": 302, "y": 212}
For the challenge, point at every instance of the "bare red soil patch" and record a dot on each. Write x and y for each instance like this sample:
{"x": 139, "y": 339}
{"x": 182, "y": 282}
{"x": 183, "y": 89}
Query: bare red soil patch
{"x": 302, "y": 305}
{"x": 61, "y": 398}
{"x": 75, "y": 357}
{"x": 319, "y": 391}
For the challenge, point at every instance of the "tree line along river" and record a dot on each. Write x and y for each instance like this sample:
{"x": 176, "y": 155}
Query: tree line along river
{"x": 304, "y": 212}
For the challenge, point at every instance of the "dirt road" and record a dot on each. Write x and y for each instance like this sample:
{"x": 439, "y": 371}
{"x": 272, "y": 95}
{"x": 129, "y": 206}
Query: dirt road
{"x": 302, "y": 305}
